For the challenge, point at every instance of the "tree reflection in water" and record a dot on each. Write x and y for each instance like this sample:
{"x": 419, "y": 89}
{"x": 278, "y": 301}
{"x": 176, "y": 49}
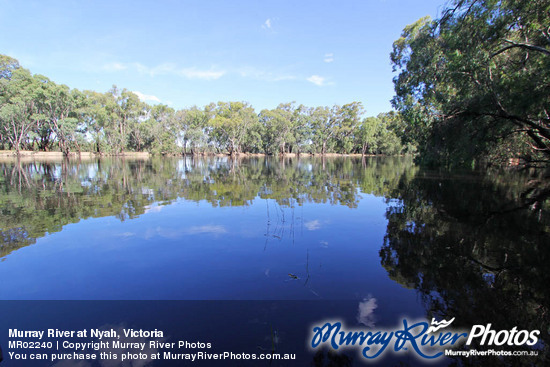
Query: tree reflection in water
{"x": 476, "y": 249}
{"x": 41, "y": 197}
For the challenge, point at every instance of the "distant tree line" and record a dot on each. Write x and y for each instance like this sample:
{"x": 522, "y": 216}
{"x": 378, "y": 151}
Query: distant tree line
{"x": 38, "y": 114}
{"x": 474, "y": 85}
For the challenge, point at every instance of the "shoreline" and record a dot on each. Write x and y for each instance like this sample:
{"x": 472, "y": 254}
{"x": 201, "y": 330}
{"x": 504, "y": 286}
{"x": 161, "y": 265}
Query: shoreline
{"x": 27, "y": 155}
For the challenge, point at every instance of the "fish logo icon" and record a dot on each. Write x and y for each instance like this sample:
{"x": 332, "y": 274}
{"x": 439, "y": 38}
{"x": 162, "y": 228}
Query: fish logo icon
{"x": 439, "y": 325}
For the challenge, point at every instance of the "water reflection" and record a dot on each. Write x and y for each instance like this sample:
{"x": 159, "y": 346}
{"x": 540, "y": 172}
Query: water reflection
{"x": 365, "y": 314}
{"x": 41, "y": 197}
{"x": 213, "y": 228}
{"x": 475, "y": 249}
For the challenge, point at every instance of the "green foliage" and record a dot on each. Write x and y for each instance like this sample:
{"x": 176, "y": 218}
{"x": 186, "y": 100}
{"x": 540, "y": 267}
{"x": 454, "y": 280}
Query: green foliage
{"x": 474, "y": 78}
{"x": 38, "y": 114}
{"x": 40, "y": 198}
{"x": 19, "y": 114}
{"x": 192, "y": 125}
{"x": 348, "y": 121}
{"x": 7, "y": 66}
{"x": 475, "y": 248}
{"x": 276, "y": 130}
{"x": 231, "y": 123}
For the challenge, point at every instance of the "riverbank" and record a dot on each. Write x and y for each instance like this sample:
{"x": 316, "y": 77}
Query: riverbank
{"x": 32, "y": 155}
{"x": 27, "y": 155}
{"x": 286, "y": 155}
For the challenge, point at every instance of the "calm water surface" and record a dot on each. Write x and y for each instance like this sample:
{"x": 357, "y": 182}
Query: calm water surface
{"x": 393, "y": 238}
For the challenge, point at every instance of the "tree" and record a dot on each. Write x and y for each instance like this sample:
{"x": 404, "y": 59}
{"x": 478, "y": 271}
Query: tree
{"x": 231, "y": 122}
{"x": 57, "y": 103}
{"x": 126, "y": 110}
{"x": 301, "y": 128}
{"x": 36, "y": 112}
{"x": 366, "y": 135}
{"x": 324, "y": 122}
{"x": 463, "y": 79}
{"x": 482, "y": 230}
{"x": 192, "y": 124}
{"x": 390, "y": 139}
{"x": 18, "y": 110}
{"x": 95, "y": 116}
{"x": 164, "y": 129}
{"x": 7, "y": 66}
{"x": 276, "y": 129}
{"x": 349, "y": 120}
{"x": 286, "y": 124}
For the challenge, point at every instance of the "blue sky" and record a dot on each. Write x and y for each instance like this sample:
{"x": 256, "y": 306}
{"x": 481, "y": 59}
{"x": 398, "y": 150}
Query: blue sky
{"x": 184, "y": 53}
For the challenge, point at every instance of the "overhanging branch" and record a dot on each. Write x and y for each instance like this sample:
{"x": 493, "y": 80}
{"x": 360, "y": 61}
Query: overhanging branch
{"x": 528, "y": 46}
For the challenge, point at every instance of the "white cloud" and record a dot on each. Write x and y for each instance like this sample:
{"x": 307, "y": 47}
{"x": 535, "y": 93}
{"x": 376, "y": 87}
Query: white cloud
{"x": 365, "y": 313}
{"x": 189, "y": 73}
{"x": 126, "y": 234}
{"x": 144, "y": 98}
{"x": 253, "y": 73}
{"x": 114, "y": 66}
{"x": 206, "y": 229}
{"x": 329, "y": 57}
{"x": 317, "y": 80}
{"x": 267, "y": 24}
{"x": 166, "y": 232}
{"x": 142, "y": 68}
{"x": 193, "y": 73}
{"x": 312, "y": 225}
{"x": 150, "y": 208}
{"x": 166, "y": 69}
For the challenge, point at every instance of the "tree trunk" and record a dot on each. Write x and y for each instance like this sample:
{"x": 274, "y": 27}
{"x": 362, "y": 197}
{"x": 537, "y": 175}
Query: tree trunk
{"x": 364, "y": 149}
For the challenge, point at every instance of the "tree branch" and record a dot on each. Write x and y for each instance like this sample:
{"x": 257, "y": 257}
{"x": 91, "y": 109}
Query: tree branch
{"x": 528, "y": 46}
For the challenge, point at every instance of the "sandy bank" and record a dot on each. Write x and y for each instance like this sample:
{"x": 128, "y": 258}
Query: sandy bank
{"x": 27, "y": 155}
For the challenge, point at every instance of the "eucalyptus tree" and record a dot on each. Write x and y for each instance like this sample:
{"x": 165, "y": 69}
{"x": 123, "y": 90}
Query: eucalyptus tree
{"x": 231, "y": 123}
{"x": 324, "y": 121}
{"x": 267, "y": 131}
{"x": 276, "y": 126}
{"x": 287, "y": 123}
{"x": 141, "y": 131}
{"x": 349, "y": 119}
{"x": 34, "y": 105}
{"x": 476, "y": 79}
{"x": 164, "y": 129}
{"x": 18, "y": 110}
{"x": 301, "y": 129}
{"x": 181, "y": 118}
{"x": 96, "y": 117}
{"x": 252, "y": 142}
{"x": 192, "y": 124}
{"x": 389, "y": 136}
{"x": 126, "y": 110}
{"x": 57, "y": 103}
{"x": 366, "y": 135}
{"x": 7, "y": 65}
{"x": 36, "y": 112}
